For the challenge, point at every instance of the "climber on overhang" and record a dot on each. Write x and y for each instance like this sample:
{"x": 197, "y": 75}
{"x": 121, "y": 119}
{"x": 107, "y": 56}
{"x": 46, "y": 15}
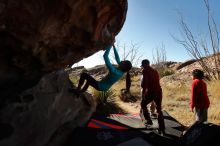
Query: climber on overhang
{"x": 114, "y": 74}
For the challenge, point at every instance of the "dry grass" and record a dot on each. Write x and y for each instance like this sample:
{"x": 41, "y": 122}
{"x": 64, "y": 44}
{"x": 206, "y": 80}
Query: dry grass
{"x": 214, "y": 96}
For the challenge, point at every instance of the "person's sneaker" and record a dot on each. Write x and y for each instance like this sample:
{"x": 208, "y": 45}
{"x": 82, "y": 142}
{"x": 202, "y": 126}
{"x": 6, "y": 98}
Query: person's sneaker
{"x": 161, "y": 132}
{"x": 154, "y": 115}
{"x": 148, "y": 123}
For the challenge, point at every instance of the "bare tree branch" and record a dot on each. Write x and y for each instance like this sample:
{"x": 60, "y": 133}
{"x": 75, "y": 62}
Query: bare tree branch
{"x": 199, "y": 49}
{"x": 131, "y": 53}
{"x": 159, "y": 59}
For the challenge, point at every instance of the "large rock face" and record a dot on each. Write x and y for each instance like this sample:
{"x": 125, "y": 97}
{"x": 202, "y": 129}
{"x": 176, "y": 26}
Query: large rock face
{"x": 38, "y": 39}
{"x": 40, "y": 36}
{"x": 35, "y": 117}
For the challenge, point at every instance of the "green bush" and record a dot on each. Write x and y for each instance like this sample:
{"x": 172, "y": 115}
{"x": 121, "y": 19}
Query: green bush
{"x": 167, "y": 72}
{"x": 103, "y": 96}
{"x": 74, "y": 80}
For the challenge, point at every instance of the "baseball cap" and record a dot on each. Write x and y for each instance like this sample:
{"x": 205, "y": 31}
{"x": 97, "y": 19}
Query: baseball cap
{"x": 145, "y": 62}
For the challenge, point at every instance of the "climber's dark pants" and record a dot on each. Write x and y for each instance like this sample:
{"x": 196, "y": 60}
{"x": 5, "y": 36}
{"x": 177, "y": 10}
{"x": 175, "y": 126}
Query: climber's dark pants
{"x": 90, "y": 81}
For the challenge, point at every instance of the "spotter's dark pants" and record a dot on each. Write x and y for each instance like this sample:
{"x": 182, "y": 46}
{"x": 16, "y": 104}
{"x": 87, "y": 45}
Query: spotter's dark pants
{"x": 157, "y": 98}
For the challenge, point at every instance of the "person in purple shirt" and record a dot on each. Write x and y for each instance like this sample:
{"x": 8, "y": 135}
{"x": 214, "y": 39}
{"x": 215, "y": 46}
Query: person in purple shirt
{"x": 114, "y": 74}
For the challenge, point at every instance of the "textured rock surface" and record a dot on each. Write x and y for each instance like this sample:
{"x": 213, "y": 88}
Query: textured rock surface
{"x": 46, "y": 113}
{"x": 38, "y": 37}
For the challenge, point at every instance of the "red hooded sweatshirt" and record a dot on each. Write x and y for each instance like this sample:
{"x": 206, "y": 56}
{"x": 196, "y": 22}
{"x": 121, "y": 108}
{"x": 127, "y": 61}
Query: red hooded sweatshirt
{"x": 199, "y": 97}
{"x": 151, "y": 80}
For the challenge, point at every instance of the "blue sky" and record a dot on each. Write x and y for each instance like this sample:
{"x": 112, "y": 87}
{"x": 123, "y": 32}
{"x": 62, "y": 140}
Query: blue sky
{"x": 150, "y": 23}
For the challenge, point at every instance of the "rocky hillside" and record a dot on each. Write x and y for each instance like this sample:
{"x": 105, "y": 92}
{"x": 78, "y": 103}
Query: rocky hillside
{"x": 183, "y": 71}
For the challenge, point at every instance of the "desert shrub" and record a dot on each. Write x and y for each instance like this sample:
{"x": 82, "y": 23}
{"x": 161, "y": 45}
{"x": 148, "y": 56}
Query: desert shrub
{"x": 74, "y": 79}
{"x": 167, "y": 72}
{"x": 103, "y": 96}
{"x": 106, "y": 102}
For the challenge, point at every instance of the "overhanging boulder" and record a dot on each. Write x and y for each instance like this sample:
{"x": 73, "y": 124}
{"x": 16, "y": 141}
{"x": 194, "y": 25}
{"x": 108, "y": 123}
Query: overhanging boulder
{"x": 41, "y": 36}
